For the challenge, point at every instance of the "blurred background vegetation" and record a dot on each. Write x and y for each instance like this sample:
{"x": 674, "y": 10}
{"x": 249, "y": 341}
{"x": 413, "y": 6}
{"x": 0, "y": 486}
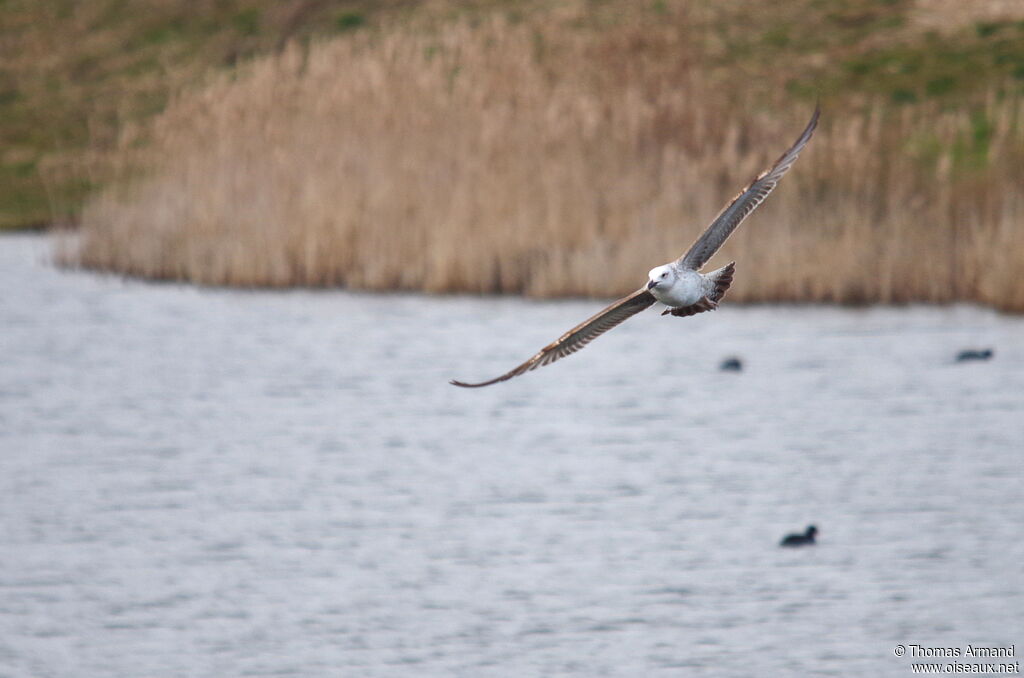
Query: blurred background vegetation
{"x": 74, "y": 75}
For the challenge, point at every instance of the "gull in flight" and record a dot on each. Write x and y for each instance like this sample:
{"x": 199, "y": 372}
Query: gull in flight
{"x": 678, "y": 284}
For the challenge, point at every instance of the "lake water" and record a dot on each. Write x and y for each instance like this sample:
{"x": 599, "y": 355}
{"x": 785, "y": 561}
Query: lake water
{"x": 225, "y": 483}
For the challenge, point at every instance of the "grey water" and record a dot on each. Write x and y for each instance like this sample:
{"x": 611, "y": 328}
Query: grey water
{"x": 201, "y": 482}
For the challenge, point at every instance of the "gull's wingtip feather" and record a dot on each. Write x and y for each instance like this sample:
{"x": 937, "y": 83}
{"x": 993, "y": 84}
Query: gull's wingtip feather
{"x": 462, "y": 384}
{"x": 812, "y": 125}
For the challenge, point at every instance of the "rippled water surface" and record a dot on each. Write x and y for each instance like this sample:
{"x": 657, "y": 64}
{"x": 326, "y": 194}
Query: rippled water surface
{"x": 221, "y": 483}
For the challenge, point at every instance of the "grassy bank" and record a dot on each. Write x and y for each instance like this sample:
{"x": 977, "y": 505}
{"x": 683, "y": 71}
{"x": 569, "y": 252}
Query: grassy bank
{"x": 566, "y": 151}
{"x": 74, "y": 76}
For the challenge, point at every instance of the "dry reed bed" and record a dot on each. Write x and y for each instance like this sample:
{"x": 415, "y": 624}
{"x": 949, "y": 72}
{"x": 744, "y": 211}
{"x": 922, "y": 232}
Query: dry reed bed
{"x": 503, "y": 158}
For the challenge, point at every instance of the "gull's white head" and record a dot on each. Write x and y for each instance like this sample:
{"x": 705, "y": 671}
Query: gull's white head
{"x": 661, "y": 276}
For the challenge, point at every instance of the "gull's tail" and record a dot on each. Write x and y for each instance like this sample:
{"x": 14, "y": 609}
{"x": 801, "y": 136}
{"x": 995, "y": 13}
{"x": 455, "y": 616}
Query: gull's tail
{"x": 722, "y": 279}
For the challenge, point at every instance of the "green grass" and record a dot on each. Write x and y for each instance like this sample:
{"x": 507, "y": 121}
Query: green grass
{"x": 936, "y": 68}
{"x": 348, "y": 21}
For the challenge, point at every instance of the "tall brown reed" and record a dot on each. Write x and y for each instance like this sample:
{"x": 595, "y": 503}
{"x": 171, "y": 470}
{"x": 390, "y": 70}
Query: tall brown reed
{"x": 509, "y": 158}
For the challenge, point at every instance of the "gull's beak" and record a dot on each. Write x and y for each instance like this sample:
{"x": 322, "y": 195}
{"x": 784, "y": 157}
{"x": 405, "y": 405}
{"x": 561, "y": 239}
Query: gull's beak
{"x": 651, "y": 284}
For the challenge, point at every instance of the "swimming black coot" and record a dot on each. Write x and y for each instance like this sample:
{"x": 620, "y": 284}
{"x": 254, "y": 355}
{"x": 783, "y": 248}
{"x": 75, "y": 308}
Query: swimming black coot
{"x": 974, "y": 354}
{"x": 731, "y": 365}
{"x": 805, "y": 539}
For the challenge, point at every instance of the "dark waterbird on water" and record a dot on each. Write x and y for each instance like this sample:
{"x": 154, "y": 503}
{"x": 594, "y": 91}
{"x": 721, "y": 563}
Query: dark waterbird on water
{"x": 733, "y": 364}
{"x": 974, "y": 354}
{"x": 805, "y": 539}
{"x": 678, "y": 284}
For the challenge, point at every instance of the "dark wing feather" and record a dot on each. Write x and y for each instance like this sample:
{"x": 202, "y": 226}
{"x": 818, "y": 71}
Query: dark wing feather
{"x": 743, "y": 204}
{"x": 579, "y": 336}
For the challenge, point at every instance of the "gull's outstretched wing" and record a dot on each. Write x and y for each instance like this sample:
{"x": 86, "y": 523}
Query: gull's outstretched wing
{"x": 579, "y": 336}
{"x": 743, "y": 204}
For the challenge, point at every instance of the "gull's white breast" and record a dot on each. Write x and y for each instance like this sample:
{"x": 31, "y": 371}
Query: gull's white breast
{"x": 685, "y": 290}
